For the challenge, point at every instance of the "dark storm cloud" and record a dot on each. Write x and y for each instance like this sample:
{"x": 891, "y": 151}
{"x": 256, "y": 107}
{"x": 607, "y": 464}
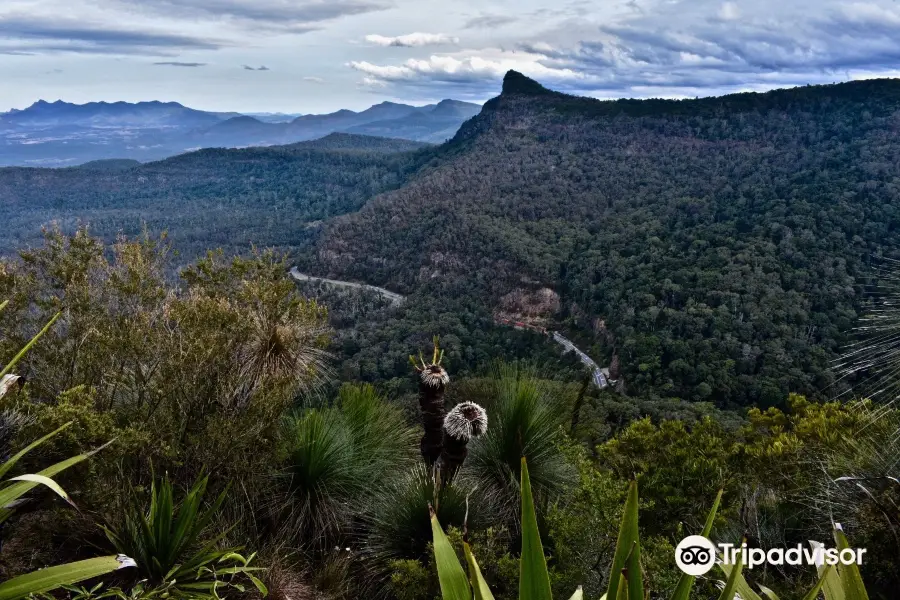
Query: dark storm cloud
{"x": 33, "y": 35}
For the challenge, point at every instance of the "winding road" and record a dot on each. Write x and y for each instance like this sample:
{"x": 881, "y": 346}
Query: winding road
{"x": 394, "y": 297}
{"x": 600, "y": 379}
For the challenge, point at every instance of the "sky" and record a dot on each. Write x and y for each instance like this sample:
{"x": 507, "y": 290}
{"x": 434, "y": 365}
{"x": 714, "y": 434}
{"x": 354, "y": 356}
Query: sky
{"x": 314, "y": 56}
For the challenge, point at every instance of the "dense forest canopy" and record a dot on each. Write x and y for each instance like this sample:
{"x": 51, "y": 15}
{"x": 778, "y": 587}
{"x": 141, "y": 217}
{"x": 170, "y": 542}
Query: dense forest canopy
{"x": 715, "y": 249}
{"x": 211, "y": 198}
{"x": 718, "y": 246}
{"x": 226, "y": 425}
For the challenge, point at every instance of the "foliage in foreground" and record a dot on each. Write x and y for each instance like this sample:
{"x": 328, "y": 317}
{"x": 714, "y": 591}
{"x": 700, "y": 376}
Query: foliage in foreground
{"x": 840, "y": 582}
{"x": 164, "y": 539}
{"x": 333, "y": 456}
{"x": 182, "y": 374}
{"x": 13, "y": 491}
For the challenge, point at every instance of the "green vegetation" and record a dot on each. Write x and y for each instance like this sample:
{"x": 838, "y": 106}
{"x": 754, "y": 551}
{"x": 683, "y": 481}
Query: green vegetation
{"x": 162, "y": 539}
{"x": 841, "y": 582}
{"x": 720, "y": 248}
{"x": 714, "y": 253}
{"x": 213, "y": 198}
{"x": 227, "y": 433}
{"x": 13, "y": 491}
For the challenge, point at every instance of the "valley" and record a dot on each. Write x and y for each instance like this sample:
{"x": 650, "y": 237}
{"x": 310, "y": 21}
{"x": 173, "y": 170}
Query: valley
{"x": 630, "y": 292}
{"x": 718, "y": 253}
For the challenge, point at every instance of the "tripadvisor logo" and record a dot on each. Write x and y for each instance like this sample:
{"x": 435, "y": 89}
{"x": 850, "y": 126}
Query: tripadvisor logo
{"x": 696, "y": 555}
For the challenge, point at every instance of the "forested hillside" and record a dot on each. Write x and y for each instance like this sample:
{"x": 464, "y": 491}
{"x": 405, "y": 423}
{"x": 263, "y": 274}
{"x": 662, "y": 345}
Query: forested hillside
{"x": 221, "y": 437}
{"x": 715, "y": 249}
{"x": 210, "y": 198}
{"x": 717, "y": 246}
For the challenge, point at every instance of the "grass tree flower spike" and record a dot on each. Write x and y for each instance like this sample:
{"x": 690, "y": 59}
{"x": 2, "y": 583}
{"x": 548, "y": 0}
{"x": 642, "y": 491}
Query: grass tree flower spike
{"x": 466, "y": 421}
{"x": 433, "y": 380}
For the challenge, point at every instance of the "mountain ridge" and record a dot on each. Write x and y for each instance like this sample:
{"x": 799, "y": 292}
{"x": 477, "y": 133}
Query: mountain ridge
{"x": 715, "y": 248}
{"x": 653, "y": 220}
{"x": 64, "y": 134}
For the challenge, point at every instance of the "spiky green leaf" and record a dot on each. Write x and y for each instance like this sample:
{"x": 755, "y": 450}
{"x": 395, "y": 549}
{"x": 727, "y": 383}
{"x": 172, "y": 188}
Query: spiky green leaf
{"x": 452, "y": 578}
{"x": 820, "y": 585}
{"x": 733, "y": 572}
{"x": 851, "y": 579}
{"x": 832, "y": 587}
{"x": 479, "y": 585}
{"x": 55, "y": 577}
{"x": 5, "y": 467}
{"x": 534, "y": 579}
{"x": 628, "y": 538}
{"x": 28, "y": 346}
{"x": 686, "y": 582}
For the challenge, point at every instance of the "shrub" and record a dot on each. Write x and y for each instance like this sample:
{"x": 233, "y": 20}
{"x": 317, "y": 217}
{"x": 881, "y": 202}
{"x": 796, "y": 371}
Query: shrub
{"x": 842, "y": 582}
{"x": 168, "y": 541}
{"x": 337, "y": 459}
{"x": 525, "y": 420}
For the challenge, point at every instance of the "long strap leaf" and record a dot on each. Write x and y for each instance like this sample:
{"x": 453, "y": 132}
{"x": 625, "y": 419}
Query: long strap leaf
{"x": 17, "y": 490}
{"x": 686, "y": 582}
{"x": 733, "y": 572}
{"x": 534, "y": 579}
{"x": 45, "y": 481}
{"x": 851, "y": 579}
{"x": 479, "y": 585}
{"x": 28, "y": 346}
{"x": 52, "y": 578}
{"x": 742, "y": 588}
{"x": 628, "y": 537}
{"x": 814, "y": 592}
{"x": 454, "y": 584}
{"x": 9, "y": 464}
{"x": 831, "y": 581}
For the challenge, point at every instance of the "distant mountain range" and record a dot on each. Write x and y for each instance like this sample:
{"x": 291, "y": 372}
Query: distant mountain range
{"x": 63, "y": 134}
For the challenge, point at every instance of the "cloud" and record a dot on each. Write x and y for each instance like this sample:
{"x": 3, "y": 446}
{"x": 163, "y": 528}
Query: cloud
{"x": 295, "y": 16}
{"x": 259, "y": 68}
{"x": 412, "y": 40}
{"x": 33, "y": 35}
{"x": 489, "y": 21}
{"x": 678, "y": 49}
{"x": 314, "y": 79}
{"x": 729, "y": 11}
{"x": 465, "y": 74}
{"x": 172, "y": 63}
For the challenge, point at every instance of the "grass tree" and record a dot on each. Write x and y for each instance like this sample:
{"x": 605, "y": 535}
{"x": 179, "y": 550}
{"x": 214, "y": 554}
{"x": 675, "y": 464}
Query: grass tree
{"x": 337, "y": 459}
{"x": 433, "y": 380}
{"x": 526, "y": 418}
